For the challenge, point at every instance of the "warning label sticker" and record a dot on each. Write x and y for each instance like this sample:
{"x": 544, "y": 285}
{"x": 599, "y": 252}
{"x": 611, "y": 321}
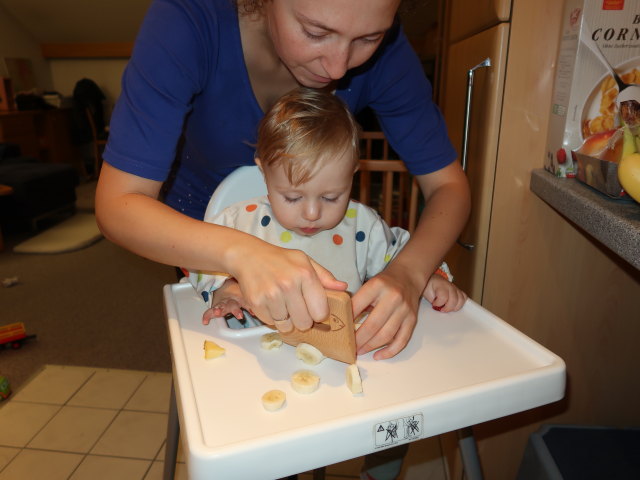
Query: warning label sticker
{"x": 395, "y": 432}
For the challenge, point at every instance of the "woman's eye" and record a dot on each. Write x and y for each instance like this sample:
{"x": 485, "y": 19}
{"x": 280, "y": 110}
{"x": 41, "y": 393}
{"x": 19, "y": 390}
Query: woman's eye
{"x": 375, "y": 39}
{"x": 314, "y": 36}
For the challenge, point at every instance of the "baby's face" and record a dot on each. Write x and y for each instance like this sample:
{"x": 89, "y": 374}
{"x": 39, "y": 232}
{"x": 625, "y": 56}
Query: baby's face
{"x": 314, "y": 206}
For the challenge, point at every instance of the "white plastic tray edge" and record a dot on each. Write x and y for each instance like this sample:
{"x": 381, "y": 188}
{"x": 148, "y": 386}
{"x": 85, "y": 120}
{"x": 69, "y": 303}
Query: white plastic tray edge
{"x": 438, "y": 411}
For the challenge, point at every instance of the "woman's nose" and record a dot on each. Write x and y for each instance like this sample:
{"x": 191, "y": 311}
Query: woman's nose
{"x": 336, "y": 61}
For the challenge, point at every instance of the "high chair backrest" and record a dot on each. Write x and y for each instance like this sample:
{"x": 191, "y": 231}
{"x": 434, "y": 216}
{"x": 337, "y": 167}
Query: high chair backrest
{"x": 241, "y": 184}
{"x": 381, "y": 182}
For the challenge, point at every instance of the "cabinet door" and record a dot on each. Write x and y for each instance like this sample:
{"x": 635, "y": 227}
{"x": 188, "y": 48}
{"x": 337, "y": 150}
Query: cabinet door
{"x": 468, "y": 17}
{"x": 468, "y": 265}
{"x": 18, "y": 127}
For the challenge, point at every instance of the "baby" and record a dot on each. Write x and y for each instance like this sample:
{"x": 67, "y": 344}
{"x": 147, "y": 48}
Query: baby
{"x": 307, "y": 150}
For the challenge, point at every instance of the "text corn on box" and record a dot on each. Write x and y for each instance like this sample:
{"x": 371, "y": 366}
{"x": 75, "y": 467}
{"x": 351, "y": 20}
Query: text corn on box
{"x": 584, "y": 93}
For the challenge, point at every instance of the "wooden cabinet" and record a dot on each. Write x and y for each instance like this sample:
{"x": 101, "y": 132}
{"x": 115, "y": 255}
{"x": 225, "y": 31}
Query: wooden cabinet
{"x": 19, "y": 128}
{"x": 468, "y": 17}
{"x": 482, "y": 145}
{"x": 542, "y": 273}
{"x": 42, "y": 134}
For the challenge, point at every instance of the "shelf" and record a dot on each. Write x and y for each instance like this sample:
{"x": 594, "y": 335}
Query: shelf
{"x": 614, "y": 222}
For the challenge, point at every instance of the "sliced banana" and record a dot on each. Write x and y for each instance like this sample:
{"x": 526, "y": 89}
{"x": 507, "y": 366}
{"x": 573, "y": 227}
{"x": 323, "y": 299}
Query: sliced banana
{"x": 212, "y": 350}
{"x": 309, "y": 354}
{"x": 354, "y": 381}
{"x": 273, "y": 400}
{"x": 271, "y": 341}
{"x": 305, "y": 381}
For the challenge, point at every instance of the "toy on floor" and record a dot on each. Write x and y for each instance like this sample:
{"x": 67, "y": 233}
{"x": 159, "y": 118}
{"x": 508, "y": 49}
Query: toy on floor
{"x": 5, "y": 389}
{"x": 13, "y": 335}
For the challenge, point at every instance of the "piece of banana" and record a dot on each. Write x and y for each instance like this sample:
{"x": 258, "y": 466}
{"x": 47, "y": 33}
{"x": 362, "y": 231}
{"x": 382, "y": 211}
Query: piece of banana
{"x": 359, "y": 320}
{"x": 305, "y": 381}
{"x": 309, "y": 354}
{"x": 271, "y": 341}
{"x": 212, "y": 350}
{"x": 273, "y": 400}
{"x": 354, "y": 381}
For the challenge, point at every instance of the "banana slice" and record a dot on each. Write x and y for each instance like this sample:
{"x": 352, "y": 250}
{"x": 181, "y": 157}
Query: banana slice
{"x": 271, "y": 341}
{"x": 273, "y": 400}
{"x": 305, "y": 381}
{"x": 309, "y": 354}
{"x": 212, "y": 350}
{"x": 354, "y": 381}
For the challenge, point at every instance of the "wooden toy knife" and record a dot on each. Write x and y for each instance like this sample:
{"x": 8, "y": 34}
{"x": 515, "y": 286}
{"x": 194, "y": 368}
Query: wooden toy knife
{"x": 334, "y": 336}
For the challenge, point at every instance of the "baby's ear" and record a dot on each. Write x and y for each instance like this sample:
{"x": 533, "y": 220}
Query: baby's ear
{"x": 259, "y": 164}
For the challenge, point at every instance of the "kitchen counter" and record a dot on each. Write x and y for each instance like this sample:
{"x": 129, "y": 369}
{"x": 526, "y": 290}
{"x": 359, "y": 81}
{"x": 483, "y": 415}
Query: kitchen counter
{"x": 614, "y": 222}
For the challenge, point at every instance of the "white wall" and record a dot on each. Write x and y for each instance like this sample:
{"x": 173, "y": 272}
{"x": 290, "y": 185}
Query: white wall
{"x": 17, "y": 42}
{"x": 105, "y": 72}
{"x": 58, "y": 75}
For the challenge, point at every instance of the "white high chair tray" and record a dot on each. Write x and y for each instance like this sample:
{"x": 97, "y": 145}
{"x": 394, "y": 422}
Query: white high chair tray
{"x": 459, "y": 369}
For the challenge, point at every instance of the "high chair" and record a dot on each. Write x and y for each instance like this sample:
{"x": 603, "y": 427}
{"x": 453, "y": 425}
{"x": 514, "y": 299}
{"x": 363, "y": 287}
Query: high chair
{"x": 241, "y": 184}
{"x": 458, "y": 369}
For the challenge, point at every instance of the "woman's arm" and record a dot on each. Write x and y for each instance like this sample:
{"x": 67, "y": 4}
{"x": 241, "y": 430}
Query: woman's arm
{"x": 395, "y": 292}
{"x": 276, "y": 283}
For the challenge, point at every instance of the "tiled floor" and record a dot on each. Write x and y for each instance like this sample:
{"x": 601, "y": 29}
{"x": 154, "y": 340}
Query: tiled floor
{"x": 77, "y": 423}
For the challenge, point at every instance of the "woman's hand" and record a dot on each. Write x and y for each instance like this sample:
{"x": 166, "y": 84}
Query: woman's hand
{"x": 391, "y": 322}
{"x": 285, "y": 288}
{"x": 276, "y": 284}
{"x": 395, "y": 293}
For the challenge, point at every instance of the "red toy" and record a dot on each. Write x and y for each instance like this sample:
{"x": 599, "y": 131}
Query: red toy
{"x": 12, "y": 335}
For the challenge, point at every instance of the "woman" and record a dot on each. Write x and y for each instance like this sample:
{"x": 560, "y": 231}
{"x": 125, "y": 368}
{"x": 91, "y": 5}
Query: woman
{"x": 201, "y": 75}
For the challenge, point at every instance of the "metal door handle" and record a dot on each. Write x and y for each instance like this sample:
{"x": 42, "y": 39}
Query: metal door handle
{"x": 465, "y": 130}
{"x": 468, "y": 246}
{"x": 467, "y": 110}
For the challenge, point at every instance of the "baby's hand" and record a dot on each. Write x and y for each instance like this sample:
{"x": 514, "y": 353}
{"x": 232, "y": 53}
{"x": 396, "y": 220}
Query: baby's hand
{"x": 443, "y": 295}
{"x": 225, "y": 300}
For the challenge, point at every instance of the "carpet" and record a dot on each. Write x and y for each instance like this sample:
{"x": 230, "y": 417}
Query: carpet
{"x": 86, "y": 196}
{"x": 72, "y": 234}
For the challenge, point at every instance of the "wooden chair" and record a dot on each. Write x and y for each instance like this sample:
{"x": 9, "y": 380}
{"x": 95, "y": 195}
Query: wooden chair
{"x": 385, "y": 184}
{"x": 98, "y": 144}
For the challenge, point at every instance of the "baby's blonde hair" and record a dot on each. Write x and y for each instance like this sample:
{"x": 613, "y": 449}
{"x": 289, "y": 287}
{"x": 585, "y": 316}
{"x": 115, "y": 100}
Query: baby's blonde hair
{"x": 305, "y": 128}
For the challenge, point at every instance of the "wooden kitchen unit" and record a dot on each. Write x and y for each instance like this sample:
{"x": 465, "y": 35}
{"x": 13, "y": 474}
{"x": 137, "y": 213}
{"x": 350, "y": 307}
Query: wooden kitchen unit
{"x": 42, "y": 134}
{"x": 532, "y": 266}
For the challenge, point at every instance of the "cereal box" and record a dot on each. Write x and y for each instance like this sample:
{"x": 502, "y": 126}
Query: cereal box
{"x": 596, "y": 35}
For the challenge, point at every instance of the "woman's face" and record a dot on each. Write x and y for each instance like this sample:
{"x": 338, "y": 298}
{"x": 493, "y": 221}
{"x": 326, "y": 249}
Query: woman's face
{"x": 319, "y": 40}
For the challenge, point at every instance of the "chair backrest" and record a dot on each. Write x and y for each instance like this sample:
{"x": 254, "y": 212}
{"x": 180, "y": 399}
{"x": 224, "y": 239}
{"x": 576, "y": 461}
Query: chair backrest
{"x": 98, "y": 143}
{"x": 384, "y": 183}
{"x": 381, "y": 182}
{"x": 241, "y": 184}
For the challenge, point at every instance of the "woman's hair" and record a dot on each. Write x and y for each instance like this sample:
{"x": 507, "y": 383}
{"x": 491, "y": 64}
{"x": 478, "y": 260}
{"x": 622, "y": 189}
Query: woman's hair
{"x": 247, "y": 7}
{"x": 303, "y": 130}
{"x": 255, "y": 6}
